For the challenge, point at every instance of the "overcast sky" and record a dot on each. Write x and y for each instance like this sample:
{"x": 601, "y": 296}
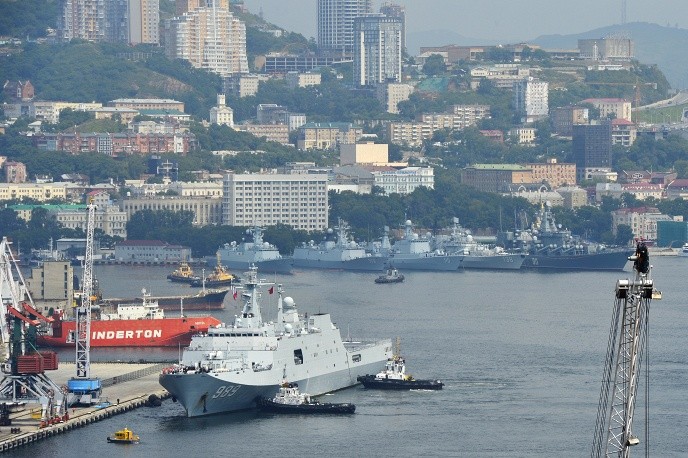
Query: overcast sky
{"x": 506, "y": 21}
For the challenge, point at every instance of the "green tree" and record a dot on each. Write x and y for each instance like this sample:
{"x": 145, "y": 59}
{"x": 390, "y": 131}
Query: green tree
{"x": 434, "y": 65}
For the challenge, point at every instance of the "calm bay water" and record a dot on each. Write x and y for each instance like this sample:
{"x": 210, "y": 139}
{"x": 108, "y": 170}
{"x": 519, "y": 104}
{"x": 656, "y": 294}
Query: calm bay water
{"x": 521, "y": 355}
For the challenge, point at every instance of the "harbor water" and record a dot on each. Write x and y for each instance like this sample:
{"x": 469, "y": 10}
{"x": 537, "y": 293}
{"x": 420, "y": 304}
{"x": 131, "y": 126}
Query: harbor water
{"x": 521, "y": 355}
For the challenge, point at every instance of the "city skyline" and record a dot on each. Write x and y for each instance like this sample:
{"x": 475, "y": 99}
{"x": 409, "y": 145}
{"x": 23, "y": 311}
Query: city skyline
{"x": 513, "y": 21}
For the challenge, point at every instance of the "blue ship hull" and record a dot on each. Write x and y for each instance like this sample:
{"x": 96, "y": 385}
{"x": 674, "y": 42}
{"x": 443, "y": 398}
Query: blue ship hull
{"x": 423, "y": 262}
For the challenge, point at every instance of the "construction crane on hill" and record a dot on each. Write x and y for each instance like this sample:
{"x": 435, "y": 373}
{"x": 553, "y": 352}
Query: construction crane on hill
{"x": 626, "y": 346}
{"x": 84, "y": 389}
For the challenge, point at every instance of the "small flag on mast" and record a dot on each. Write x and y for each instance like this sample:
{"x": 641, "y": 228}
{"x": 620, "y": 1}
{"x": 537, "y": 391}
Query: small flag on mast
{"x": 234, "y": 292}
{"x": 271, "y": 290}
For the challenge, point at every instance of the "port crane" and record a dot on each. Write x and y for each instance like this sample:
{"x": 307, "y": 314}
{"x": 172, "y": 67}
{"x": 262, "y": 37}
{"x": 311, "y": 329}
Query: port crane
{"x": 84, "y": 389}
{"x": 626, "y": 346}
{"x": 23, "y": 367}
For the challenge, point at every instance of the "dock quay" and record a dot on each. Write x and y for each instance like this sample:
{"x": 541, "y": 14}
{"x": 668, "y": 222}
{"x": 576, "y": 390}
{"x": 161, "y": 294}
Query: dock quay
{"x": 126, "y": 386}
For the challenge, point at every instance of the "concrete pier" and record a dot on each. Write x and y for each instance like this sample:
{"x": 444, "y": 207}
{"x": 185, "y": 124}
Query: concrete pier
{"x": 126, "y": 386}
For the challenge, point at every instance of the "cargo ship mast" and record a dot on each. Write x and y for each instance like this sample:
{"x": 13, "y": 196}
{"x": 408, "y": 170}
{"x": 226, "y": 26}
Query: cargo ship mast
{"x": 627, "y": 341}
{"x": 83, "y": 388}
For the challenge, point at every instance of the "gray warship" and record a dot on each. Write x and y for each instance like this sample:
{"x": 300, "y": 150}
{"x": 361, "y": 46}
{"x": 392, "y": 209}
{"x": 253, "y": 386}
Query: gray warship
{"x": 344, "y": 254}
{"x": 232, "y": 366}
{"x": 414, "y": 252}
{"x": 262, "y": 254}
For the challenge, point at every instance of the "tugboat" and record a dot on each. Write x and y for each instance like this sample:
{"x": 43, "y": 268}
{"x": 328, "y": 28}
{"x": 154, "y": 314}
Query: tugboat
{"x": 124, "y": 436}
{"x": 394, "y": 377}
{"x": 183, "y": 274}
{"x": 391, "y": 276}
{"x": 290, "y": 400}
{"x": 220, "y": 276}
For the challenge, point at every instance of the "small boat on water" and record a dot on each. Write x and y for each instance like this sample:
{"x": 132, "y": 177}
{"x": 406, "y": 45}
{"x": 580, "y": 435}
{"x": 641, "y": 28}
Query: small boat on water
{"x": 124, "y": 436}
{"x": 394, "y": 377}
{"x": 290, "y": 400}
{"x": 220, "y": 276}
{"x": 684, "y": 250}
{"x": 391, "y": 276}
{"x": 183, "y": 274}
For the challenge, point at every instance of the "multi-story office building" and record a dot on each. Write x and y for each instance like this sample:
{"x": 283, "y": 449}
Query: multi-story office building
{"x": 531, "y": 98}
{"x": 36, "y": 191}
{"x": 404, "y": 181}
{"x": 209, "y": 37}
{"x": 108, "y": 218}
{"x": 148, "y": 104}
{"x": 335, "y": 20}
{"x": 496, "y": 177}
{"x": 284, "y": 63}
{"x": 592, "y": 148}
{"x": 554, "y": 173}
{"x": 564, "y": 118}
{"x": 377, "y": 50}
{"x": 299, "y": 200}
{"x": 206, "y": 210}
{"x": 616, "y": 108}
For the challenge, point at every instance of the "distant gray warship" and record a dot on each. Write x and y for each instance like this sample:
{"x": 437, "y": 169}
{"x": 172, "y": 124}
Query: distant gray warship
{"x": 262, "y": 254}
{"x": 232, "y": 366}
{"x": 415, "y": 253}
{"x": 344, "y": 254}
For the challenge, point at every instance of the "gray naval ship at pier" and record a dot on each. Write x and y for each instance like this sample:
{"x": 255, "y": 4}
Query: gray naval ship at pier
{"x": 265, "y": 256}
{"x": 232, "y": 366}
{"x": 549, "y": 247}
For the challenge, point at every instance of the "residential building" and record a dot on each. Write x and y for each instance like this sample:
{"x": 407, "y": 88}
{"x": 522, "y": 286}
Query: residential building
{"x": 592, "y": 147}
{"x": 299, "y": 200}
{"x": 607, "y": 49}
{"x": 126, "y": 115}
{"x": 221, "y": 114}
{"x": 363, "y": 152}
{"x": 150, "y": 251}
{"x": 624, "y": 132}
{"x": 495, "y": 135}
{"x": 403, "y": 181}
{"x": 296, "y": 79}
{"x": 377, "y": 50}
{"x": 270, "y": 113}
{"x": 207, "y": 210}
{"x": 677, "y": 189}
{"x": 108, "y": 218}
{"x": 613, "y": 190}
{"x": 398, "y": 12}
{"x": 271, "y": 132}
{"x": 554, "y": 173}
{"x": 523, "y": 135}
{"x": 531, "y": 99}
{"x": 564, "y": 118}
{"x": 642, "y": 191}
{"x": 642, "y": 221}
{"x": 49, "y": 111}
{"x": 15, "y": 172}
{"x": 209, "y": 37}
{"x": 242, "y": 84}
{"x": 503, "y": 76}
{"x": 496, "y": 177}
{"x": 412, "y": 134}
{"x": 390, "y": 94}
{"x": 537, "y": 195}
{"x": 17, "y": 91}
{"x": 612, "y": 108}
{"x": 144, "y": 21}
{"x": 36, "y": 191}
{"x": 148, "y": 104}
{"x": 116, "y": 144}
{"x": 197, "y": 189}
{"x": 574, "y": 196}
{"x": 327, "y": 135}
{"x": 409, "y": 134}
{"x": 335, "y": 21}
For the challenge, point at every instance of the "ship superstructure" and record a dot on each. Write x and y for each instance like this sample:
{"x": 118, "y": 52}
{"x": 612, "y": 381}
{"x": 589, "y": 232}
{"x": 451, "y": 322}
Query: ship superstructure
{"x": 231, "y": 366}
{"x": 415, "y": 252}
{"x": 264, "y": 255}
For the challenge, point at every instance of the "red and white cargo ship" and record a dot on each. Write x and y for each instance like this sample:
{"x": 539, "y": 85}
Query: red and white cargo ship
{"x": 141, "y": 324}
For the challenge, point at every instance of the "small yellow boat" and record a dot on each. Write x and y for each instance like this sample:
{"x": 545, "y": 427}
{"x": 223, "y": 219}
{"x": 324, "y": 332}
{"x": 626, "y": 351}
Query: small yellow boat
{"x": 124, "y": 436}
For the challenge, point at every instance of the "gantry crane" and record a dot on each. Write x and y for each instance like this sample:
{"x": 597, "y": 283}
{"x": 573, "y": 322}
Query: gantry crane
{"x": 627, "y": 342}
{"x": 84, "y": 389}
{"x": 23, "y": 366}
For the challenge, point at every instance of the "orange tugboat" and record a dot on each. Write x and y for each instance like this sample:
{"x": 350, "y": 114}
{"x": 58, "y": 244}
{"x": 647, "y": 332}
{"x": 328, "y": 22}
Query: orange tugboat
{"x": 220, "y": 276}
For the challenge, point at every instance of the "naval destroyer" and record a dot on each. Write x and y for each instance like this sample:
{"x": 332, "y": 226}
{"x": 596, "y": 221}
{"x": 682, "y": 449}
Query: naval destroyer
{"x": 414, "y": 252}
{"x": 232, "y": 366}
{"x": 260, "y": 253}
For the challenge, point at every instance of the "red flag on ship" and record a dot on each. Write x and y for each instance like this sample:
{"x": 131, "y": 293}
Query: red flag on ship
{"x": 271, "y": 290}
{"x": 234, "y": 292}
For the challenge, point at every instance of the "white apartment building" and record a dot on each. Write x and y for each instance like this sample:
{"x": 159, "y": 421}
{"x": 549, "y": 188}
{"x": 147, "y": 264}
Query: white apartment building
{"x": 47, "y": 111}
{"x": 619, "y": 108}
{"x": 531, "y": 99}
{"x": 377, "y": 50}
{"x": 299, "y": 200}
{"x": 523, "y": 135}
{"x": 412, "y": 134}
{"x": 404, "y": 181}
{"x": 335, "y": 20}
{"x": 209, "y": 37}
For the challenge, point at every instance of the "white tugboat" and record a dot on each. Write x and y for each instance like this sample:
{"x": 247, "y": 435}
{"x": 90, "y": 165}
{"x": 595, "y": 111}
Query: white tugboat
{"x": 232, "y": 366}
{"x": 290, "y": 400}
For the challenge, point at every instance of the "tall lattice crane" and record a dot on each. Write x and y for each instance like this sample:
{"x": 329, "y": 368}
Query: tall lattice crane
{"x": 627, "y": 341}
{"x": 83, "y": 388}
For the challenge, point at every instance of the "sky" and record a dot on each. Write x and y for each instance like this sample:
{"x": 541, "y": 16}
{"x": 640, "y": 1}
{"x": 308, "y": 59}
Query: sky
{"x": 505, "y": 21}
